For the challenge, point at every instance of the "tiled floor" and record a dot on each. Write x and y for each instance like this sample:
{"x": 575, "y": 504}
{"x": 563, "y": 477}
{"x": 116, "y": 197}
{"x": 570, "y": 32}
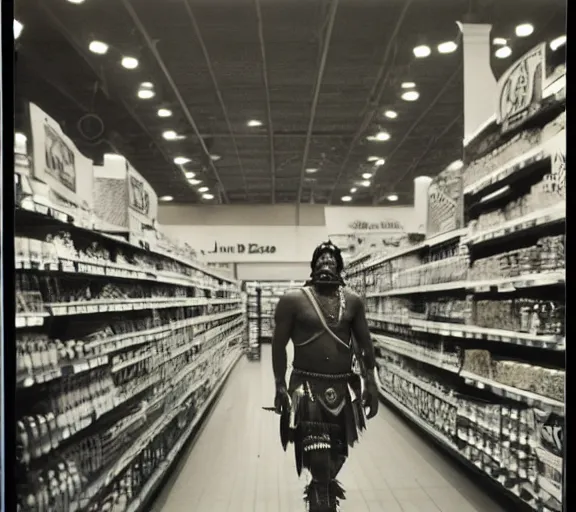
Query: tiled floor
{"x": 237, "y": 463}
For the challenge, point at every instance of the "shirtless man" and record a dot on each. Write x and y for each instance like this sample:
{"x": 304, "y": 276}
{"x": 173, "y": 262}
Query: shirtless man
{"x": 323, "y": 408}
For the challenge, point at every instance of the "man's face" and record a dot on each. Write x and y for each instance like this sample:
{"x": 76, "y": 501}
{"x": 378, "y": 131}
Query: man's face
{"x": 326, "y": 262}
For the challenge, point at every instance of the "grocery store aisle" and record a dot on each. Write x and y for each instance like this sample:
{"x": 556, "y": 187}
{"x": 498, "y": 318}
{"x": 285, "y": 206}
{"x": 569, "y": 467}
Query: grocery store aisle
{"x": 237, "y": 464}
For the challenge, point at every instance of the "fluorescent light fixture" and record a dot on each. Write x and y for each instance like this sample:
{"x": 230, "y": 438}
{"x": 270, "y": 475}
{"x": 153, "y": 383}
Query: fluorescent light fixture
{"x": 20, "y": 137}
{"x": 367, "y": 175}
{"x": 146, "y": 94}
{"x": 346, "y": 199}
{"x": 457, "y": 164}
{"x": 98, "y": 47}
{"x": 524, "y": 30}
{"x": 254, "y": 123}
{"x": 311, "y": 170}
{"x": 76, "y": 2}
{"x": 408, "y": 85}
{"x": 166, "y": 198}
{"x": 557, "y": 43}
{"x": 422, "y": 51}
{"x": 447, "y": 47}
{"x": 500, "y": 41}
{"x": 190, "y": 174}
{"x": 194, "y": 182}
{"x": 181, "y": 160}
{"x": 164, "y": 112}
{"x": 129, "y": 62}
{"x": 203, "y": 189}
{"x": 410, "y": 96}
{"x": 207, "y": 196}
{"x": 365, "y": 183}
{"x": 380, "y": 162}
{"x": 392, "y": 197}
{"x": 215, "y": 158}
{"x": 503, "y": 52}
{"x": 390, "y": 114}
{"x": 353, "y": 189}
{"x": 18, "y": 27}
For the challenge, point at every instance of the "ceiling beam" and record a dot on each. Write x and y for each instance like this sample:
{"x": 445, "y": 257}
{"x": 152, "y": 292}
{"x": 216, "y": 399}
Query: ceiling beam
{"x": 317, "y": 87}
{"x": 372, "y": 102}
{"x": 217, "y": 89}
{"x": 268, "y": 102}
{"x": 152, "y": 47}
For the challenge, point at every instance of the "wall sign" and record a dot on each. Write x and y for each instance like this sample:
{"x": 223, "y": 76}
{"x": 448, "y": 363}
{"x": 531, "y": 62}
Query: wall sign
{"x": 249, "y": 248}
{"x": 384, "y": 225}
{"x": 344, "y": 219}
{"x": 520, "y": 88}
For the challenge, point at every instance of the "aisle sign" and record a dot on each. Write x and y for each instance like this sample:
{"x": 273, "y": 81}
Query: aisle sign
{"x": 520, "y": 88}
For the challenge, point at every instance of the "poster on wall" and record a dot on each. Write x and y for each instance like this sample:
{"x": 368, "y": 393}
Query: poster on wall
{"x": 58, "y": 163}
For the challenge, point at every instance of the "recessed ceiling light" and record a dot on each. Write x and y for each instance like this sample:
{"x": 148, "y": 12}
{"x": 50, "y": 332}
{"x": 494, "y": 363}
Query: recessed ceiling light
{"x": 373, "y": 158}
{"x": 447, "y": 47}
{"x": 98, "y": 47}
{"x": 408, "y": 85}
{"x": 422, "y": 51}
{"x": 311, "y": 170}
{"x": 254, "y": 123}
{"x": 503, "y": 52}
{"x": 164, "y": 112}
{"x": 390, "y": 114}
{"x": 129, "y": 62}
{"x": 457, "y": 164}
{"x": 381, "y": 136}
{"x": 365, "y": 183}
{"x": 194, "y": 182}
{"x": 17, "y": 29}
{"x": 500, "y": 41}
{"x": 380, "y": 162}
{"x": 410, "y": 96}
{"x": 346, "y": 199}
{"x": 392, "y": 197}
{"x": 190, "y": 174}
{"x": 353, "y": 189}
{"x": 170, "y": 135}
{"x": 207, "y": 196}
{"x": 367, "y": 175}
{"x": 524, "y": 30}
{"x": 146, "y": 85}
{"x": 557, "y": 43}
{"x": 76, "y": 1}
{"x": 203, "y": 189}
{"x": 215, "y": 158}
{"x": 166, "y": 198}
{"x": 181, "y": 160}
{"x": 146, "y": 94}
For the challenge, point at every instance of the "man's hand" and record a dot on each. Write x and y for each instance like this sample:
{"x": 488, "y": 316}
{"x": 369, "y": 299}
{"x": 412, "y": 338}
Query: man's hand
{"x": 282, "y": 399}
{"x": 370, "y": 397}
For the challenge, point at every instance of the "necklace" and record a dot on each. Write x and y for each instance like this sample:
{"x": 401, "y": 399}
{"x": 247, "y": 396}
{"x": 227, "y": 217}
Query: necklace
{"x": 330, "y": 305}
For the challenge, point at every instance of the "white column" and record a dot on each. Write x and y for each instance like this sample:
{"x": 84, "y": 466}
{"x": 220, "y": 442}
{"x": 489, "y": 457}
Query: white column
{"x": 421, "y": 186}
{"x": 480, "y": 87}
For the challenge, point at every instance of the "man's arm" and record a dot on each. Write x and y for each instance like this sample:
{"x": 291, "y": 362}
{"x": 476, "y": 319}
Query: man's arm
{"x": 283, "y": 321}
{"x": 362, "y": 334}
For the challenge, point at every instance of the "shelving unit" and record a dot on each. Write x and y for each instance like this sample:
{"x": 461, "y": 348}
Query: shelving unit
{"x": 468, "y": 326}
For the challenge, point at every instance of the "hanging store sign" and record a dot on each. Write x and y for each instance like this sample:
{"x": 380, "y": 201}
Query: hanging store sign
{"x": 520, "y": 88}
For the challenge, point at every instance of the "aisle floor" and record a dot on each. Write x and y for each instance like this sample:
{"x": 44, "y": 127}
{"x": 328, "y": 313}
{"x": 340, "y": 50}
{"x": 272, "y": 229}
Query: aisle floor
{"x": 236, "y": 464}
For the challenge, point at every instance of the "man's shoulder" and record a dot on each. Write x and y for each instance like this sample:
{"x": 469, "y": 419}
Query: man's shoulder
{"x": 292, "y": 295}
{"x": 351, "y": 295}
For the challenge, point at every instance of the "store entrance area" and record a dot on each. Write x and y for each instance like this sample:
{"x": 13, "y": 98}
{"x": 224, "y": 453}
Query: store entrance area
{"x": 236, "y": 463}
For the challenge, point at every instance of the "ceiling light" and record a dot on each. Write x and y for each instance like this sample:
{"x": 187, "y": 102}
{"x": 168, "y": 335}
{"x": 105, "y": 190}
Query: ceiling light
{"x": 146, "y": 85}
{"x": 373, "y": 158}
{"x": 17, "y": 29}
{"x": 311, "y": 170}
{"x": 353, "y": 189}
{"x": 408, "y": 85}
{"x": 190, "y": 174}
{"x": 500, "y": 41}
{"x": 207, "y": 196}
{"x": 146, "y": 94}
{"x": 365, "y": 183}
{"x": 194, "y": 182}
{"x": 557, "y": 43}
{"x": 380, "y": 162}
{"x": 457, "y": 164}
{"x": 410, "y": 96}
{"x": 367, "y": 175}
{"x": 422, "y": 51}
{"x": 392, "y": 197}
{"x": 524, "y": 30}
{"x": 382, "y": 136}
{"x": 203, "y": 189}
{"x": 181, "y": 160}
{"x": 215, "y": 158}
{"x": 447, "y": 47}
{"x": 170, "y": 135}
{"x": 164, "y": 112}
{"x": 346, "y": 199}
{"x": 254, "y": 123}
{"x": 166, "y": 198}
{"x": 503, "y": 52}
{"x": 98, "y": 47}
{"x": 76, "y": 1}
{"x": 390, "y": 114}
{"x": 129, "y": 62}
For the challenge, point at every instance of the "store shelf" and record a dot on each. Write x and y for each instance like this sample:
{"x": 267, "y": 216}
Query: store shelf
{"x": 523, "y": 225}
{"x": 74, "y": 368}
{"x": 511, "y": 284}
{"x": 30, "y": 319}
{"x": 427, "y": 288}
{"x": 519, "y": 395}
{"x": 557, "y": 343}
